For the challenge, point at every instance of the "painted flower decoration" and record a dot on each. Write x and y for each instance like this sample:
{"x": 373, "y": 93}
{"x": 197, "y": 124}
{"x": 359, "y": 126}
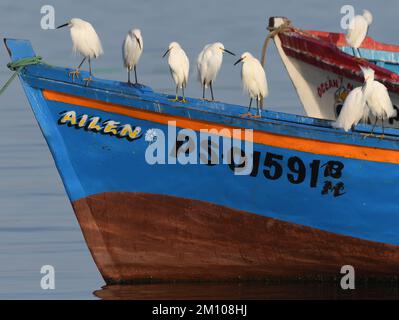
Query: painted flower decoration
{"x": 151, "y": 135}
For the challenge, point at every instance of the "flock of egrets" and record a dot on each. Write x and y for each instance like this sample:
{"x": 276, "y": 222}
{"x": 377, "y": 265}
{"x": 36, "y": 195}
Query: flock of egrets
{"x": 86, "y": 42}
{"x": 370, "y": 99}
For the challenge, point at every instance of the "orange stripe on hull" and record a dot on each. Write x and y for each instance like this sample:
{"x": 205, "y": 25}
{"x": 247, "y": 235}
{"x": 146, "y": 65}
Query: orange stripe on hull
{"x": 260, "y": 137}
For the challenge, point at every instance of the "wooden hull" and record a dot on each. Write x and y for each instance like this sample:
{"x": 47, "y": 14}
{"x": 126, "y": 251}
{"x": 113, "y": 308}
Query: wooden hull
{"x": 309, "y": 200}
{"x": 144, "y": 238}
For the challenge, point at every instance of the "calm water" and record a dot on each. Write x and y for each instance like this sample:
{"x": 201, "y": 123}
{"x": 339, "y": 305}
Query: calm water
{"x": 37, "y": 224}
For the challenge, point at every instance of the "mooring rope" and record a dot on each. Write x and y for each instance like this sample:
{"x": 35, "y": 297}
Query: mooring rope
{"x": 286, "y": 26}
{"x": 17, "y": 66}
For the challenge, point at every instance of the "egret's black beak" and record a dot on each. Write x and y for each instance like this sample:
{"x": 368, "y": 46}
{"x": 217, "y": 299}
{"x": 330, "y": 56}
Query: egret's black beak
{"x": 63, "y": 25}
{"x": 138, "y": 41}
{"x": 167, "y": 51}
{"x": 225, "y": 50}
{"x": 238, "y": 61}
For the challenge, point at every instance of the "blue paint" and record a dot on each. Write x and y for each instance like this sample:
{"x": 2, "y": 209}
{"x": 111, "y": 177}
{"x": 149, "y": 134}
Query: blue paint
{"x": 384, "y": 59}
{"x": 91, "y": 163}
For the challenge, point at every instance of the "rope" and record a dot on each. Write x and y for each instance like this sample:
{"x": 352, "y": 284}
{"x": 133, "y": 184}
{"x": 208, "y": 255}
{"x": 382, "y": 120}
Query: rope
{"x": 17, "y": 66}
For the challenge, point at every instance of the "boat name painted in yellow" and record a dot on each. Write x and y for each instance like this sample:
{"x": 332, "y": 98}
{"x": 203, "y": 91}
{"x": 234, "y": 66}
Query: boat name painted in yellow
{"x": 95, "y": 124}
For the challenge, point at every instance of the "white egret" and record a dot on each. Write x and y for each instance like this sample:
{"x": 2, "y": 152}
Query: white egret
{"x": 377, "y": 98}
{"x": 254, "y": 80}
{"x": 209, "y": 63}
{"x": 353, "y": 111}
{"x": 357, "y": 31}
{"x": 179, "y": 67}
{"x": 131, "y": 50}
{"x": 85, "y": 41}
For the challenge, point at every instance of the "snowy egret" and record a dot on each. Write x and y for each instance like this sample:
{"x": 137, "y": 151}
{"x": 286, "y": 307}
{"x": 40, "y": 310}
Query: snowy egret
{"x": 208, "y": 64}
{"x": 353, "y": 111}
{"x": 357, "y": 31}
{"x": 85, "y": 41}
{"x": 254, "y": 80}
{"x": 377, "y": 99}
{"x": 132, "y": 49}
{"x": 179, "y": 67}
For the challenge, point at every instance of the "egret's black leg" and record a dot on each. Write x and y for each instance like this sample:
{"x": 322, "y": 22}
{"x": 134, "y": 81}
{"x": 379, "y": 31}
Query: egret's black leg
{"x": 210, "y": 86}
{"x": 203, "y": 91}
{"x": 77, "y": 71}
{"x": 250, "y": 105}
{"x": 177, "y": 95}
{"x": 354, "y": 52}
{"x": 135, "y": 74}
{"x": 358, "y": 52}
{"x": 372, "y": 129}
{"x": 375, "y": 123}
{"x": 382, "y": 124}
{"x": 184, "y": 96}
{"x": 84, "y": 59}
{"x": 128, "y": 75}
{"x": 90, "y": 74}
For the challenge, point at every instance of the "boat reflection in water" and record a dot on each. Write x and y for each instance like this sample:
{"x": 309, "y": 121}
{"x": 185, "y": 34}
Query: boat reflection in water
{"x": 244, "y": 291}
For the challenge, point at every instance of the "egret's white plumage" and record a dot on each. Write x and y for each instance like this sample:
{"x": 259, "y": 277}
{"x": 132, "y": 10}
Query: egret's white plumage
{"x": 84, "y": 41}
{"x": 358, "y": 28}
{"x": 377, "y": 97}
{"x": 353, "y": 111}
{"x": 179, "y": 66}
{"x": 131, "y": 50}
{"x": 209, "y": 63}
{"x": 253, "y": 78}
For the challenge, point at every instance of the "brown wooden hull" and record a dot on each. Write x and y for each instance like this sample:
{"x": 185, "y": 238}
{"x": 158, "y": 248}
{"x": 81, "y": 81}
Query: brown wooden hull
{"x": 140, "y": 237}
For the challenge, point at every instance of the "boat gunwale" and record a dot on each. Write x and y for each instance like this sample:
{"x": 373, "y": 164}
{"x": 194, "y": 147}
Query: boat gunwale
{"x": 303, "y": 128}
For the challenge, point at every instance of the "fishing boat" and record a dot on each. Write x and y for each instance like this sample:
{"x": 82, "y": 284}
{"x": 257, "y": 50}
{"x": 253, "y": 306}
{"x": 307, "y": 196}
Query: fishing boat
{"x": 291, "y": 199}
{"x": 324, "y": 69}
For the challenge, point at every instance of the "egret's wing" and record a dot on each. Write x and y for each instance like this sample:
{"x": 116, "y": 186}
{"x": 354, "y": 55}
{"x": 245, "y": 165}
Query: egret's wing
{"x": 357, "y": 31}
{"x": 186, "y": 67}
{"x": 260, "y": 79}
{"x": 352, "y": 111}
{"x": 381, "y": 100}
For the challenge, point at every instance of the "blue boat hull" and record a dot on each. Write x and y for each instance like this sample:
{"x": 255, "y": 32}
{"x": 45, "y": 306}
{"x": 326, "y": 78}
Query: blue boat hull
{"x": 315, "y": 198}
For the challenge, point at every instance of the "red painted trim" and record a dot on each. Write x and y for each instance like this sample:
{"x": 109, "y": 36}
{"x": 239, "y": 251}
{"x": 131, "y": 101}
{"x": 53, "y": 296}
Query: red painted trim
{"x": 339, "y": 40}
{"x": 328, "y": 56}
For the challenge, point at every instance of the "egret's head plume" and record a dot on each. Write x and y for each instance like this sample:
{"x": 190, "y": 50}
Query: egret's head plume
{"x": 368, "y": 16}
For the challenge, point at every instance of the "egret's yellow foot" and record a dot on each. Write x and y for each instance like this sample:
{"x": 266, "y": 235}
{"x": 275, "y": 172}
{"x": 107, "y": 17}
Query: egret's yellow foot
{"x": 367, "y": 135}
{"x": 382, "y": 136}
{"x": 245, "y": 115}
{"x": 258, "y": 116}
{"x": 184, "y": 100}
{"x": 74, "y": 74}
{"x": 175, "y": 99}
{"x": 88, "y": 80}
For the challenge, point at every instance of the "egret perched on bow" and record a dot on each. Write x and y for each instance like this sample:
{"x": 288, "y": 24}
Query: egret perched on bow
{"x": 131, "y": 50}
{"x": 254, "y": 80}
{"x": 357, "y": 31}
{"x": 179, "y": 67}
{"x": 209, "y": 63}
{"x": 85, "y": 41}
{"x": 377, "y": 99}
{"x": 353, "y": 111}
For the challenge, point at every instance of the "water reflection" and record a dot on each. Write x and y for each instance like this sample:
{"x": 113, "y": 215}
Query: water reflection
{"x": 243, "y": 291}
